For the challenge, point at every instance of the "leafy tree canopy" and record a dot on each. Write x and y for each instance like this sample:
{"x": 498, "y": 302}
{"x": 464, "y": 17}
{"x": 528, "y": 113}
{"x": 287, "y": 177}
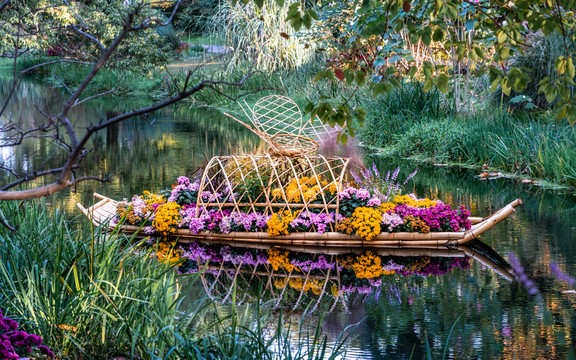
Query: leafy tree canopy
{"x": 80, "y": 30}
{"x": 474, "y": 37}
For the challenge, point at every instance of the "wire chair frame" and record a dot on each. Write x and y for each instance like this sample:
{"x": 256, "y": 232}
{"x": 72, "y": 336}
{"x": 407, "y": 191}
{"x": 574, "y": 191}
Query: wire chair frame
{"x": 279, "y": 122}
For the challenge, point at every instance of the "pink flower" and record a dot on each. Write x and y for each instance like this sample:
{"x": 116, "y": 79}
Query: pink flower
{"x": 373, "y": 202}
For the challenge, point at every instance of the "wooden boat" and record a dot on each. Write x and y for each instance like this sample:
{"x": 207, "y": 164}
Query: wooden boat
{"x": 102, "y": 213}
{"x": 262, "y": 182}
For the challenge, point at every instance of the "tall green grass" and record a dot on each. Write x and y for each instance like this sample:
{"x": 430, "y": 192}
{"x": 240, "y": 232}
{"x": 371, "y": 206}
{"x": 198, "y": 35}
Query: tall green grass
{"x": 92, "y": 295}
{"x": 515, "y": 142}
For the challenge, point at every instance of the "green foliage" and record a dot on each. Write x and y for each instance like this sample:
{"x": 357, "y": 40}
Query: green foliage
{"x": 538, "y": 62}
{"x": 262, "y": 35}
{"x": 103, "y": 20}
{"x": 193, "y": 17}
{"x": 445, "y": 44}
{"x": 168, "y": 33}
{"x": 524, "y": 145}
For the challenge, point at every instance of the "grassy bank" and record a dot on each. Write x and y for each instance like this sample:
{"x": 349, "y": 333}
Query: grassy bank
{"x": 404, "y": 125}
{"x": 92, "y": 297}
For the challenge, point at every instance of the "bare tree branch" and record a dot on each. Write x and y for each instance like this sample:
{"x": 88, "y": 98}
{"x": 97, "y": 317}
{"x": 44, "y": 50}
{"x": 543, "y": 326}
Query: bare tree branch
{"x": 90, "y": 37}
{"x": 94, "y": 97}
{"x": 11, "y": 56}
{"x": 29, "y": 177}
{"x": 148, "y": 22}
{"x": 4, "y": 4}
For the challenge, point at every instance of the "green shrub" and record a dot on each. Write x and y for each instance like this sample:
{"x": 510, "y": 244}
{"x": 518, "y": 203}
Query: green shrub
{"x": 538, "y": 61}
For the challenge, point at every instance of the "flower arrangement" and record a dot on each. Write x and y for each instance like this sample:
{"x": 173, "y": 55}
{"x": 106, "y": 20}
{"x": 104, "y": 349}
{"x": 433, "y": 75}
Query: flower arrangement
{"x": 278, "y": 223}
{"x": 371, "y": 207}
{"x": 15, "y": 343}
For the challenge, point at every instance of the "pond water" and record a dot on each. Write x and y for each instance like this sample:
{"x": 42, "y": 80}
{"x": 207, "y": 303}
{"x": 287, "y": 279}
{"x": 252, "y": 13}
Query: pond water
{"x": 471, "y": 313}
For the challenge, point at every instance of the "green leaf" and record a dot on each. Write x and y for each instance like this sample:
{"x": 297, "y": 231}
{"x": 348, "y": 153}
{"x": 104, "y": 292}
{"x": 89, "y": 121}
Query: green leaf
{"x": 307, "y": 20}
{"x": 426, "y": 37}
{"x": 560, "y": 65}
{"x": 259, "y": 3}
{"x": 504, "y": 52}
{"x": 412, "y": 71}
{"x": 452, "y": 10}
{"x": 501, "y": 36}
{"x": 313, "y": 14}
{"x": 506, "y": 89}
{"x": 428, "y": 83}
{"x": 412, "y": 27}
{"x": 442, "y": 83}
{"x": 343, "y": 138}
{"x": 548, "y": 26}
{"x": 381, "y": 89}
{"x": 562, "y": 112}
{"x": 349, "y": 75}
{"x": 571, "y": 115}
{"x": 438, "y": 35}
{"x": 280, "y": 3}
{"x": 293, "y": 10}
{"x": 360, "y": 77}
{"x": 551, "y": 93}
{"x": 474, "y": 55}
{"x": 570, "y": 69}
{"x": 478, "y": 50}
{"x": 297, "y": 23}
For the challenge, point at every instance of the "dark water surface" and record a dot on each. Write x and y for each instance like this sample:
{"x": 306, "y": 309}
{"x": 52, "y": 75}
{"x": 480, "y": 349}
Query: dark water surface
{"x": 465, "y": 314}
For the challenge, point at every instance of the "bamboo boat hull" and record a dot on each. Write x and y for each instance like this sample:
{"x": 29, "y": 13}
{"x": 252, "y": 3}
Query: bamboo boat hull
{"x": 102, "y": 212}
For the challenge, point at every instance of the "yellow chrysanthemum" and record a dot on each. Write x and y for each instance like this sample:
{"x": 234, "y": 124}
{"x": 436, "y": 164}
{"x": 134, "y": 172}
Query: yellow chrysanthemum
{"x": 366, "y": 222}
{"x": 422, "y": 203}
{"x": 167, "y": 218}
{"x": 279, "y": 224}
{"x": 387, "y": 206}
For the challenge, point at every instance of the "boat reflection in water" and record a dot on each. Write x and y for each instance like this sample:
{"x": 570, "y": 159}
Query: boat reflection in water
{"x": 296, "y": 277}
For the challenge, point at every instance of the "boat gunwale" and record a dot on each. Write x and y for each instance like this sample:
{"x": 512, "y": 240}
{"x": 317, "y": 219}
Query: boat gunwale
{"x": 334, "y": 239}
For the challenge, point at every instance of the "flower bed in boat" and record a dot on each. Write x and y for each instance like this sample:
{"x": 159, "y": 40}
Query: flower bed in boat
{"x": 368, "y": 206}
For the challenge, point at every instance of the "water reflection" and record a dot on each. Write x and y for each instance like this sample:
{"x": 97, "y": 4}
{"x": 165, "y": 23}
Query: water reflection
{"x": 297, "y": 276}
